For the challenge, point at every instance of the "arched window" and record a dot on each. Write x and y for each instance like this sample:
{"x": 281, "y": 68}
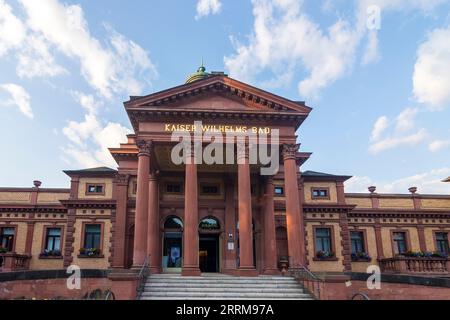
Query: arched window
{"x": 209, "y": 223}
{"x": 173, "y": 223}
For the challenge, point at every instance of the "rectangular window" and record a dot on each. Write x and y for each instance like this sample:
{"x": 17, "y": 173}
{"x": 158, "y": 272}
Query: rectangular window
{"x": 7, "y": 238}
{"x": 92, "y": 236}
{"x": 173, "y": 188}
{"x": 323, "y": 240}
{"x": 95, "y": 189}
{"x": 442, "y": 242}
{"x": 279, "y": 191}
{"x": 320, "y": 193}
{"x": 210, "y": 189}
{"x": 357, "y": 239}
{"x": 399, "y": 239}
{"x": 53, "y": 239}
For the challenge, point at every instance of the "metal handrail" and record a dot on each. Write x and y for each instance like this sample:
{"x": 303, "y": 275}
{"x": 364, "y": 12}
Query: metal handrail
{"x": 142, "y": 277}
{"x": 110, "y": 295}
{"x": 365, "y": 296}
{"x": 299, "y": 273}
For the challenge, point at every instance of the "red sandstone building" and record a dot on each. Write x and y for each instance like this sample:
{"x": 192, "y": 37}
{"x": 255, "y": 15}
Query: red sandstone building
{"x": 227, "y": 218}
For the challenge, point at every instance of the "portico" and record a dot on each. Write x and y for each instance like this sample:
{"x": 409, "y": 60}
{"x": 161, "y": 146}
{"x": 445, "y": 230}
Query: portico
{"x": 233, "y": 192}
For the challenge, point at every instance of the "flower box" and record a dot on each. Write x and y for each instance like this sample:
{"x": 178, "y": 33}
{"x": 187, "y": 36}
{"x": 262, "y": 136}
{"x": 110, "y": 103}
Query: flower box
{"x": 361, "y": 257}
{"x": 50, "y": 254}
{"x": 326, "y": 256}
{"x": 90, "y": 253}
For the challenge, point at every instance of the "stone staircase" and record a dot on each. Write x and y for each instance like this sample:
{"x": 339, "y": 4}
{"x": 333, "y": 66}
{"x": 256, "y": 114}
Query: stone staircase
{"x": 222, "y": 287}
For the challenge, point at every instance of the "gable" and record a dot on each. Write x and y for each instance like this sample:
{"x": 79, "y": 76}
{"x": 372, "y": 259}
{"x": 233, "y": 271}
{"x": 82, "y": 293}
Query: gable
{"x": 219, "y": 92}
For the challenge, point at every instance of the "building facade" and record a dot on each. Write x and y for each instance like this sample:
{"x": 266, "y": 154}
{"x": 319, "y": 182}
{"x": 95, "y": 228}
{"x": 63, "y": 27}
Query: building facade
{"x": 194, "y": 217}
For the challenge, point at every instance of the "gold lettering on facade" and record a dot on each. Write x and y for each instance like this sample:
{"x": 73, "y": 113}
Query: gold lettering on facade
{"x": 169, "y": 127}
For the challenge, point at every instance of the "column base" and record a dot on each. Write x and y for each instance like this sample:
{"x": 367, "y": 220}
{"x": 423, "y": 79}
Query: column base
{"x": 271, "y": 272}
{"x": 155, "y": 270}
{"x": 191, "y": 272}
{"x": 248, "y": 272}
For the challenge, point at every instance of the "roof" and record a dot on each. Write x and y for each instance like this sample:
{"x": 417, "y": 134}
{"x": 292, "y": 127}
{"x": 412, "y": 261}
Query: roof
{"x": 98, "y": 170}
{"x": 322, "y": 175}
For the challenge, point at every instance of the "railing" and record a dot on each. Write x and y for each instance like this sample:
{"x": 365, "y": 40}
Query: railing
{"x": 14, "y": 262}
{"x": 142, "y": 277}
{"x": 415, "y": 265}
{"x": 362, "y": 295}
{"x": 309, "y": 280}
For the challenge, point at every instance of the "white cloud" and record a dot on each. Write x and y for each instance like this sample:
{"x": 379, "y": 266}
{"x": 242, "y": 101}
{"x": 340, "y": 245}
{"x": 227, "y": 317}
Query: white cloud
{"x": 207, "y": 7}
{"x": 432, "y": 70}
{"x": 438, "y": 145}
{"x": 109, "y": 69}
{"x": 427, "y": 182}
{"x": 404, "y": 133}
{"x": 19, "y": 98}
{"x": 12, "y": 30}
{"x": 278, "y": 43}
{"x": 371, "y": 53}
{"x": 36, "y": 60}
{"x": 284, "y": 39}
{"x": 87, "y": 101}
{"x": 405, "y": 120}
{"x": 393, "y": 142}
{"x": 90, "y": 141}
{"x": 380, "y": 125}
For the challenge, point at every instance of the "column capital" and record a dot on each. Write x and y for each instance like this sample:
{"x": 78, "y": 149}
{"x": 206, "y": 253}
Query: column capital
{"x": 242, "y": 150}
{"x": 289, "y": 151}
{"x": 145, "y": 147}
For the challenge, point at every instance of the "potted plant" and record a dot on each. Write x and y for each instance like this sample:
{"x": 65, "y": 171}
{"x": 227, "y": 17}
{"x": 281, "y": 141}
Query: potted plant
{"x": 283, "y": 263}
{"x": 325, "y": 255}
{"x": 3, "y": 250}
{"x": 90, "y": 252}
{"x": 361, "y": 256}
{"x": 50, "y": 253}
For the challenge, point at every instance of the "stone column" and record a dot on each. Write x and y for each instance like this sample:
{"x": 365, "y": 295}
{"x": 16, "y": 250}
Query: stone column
{"x": 120, "y": 220}
{"x": 230, "y": 227}
{"x": 246, "y": 265}
{"x": 190, "y": 232}
{"x": 379, "y": 239}
{"x": 153, "y": 248}
{"x": 140, "y": 220}
{"x": 270, "y": 240}
{"x": 295, "y": 229}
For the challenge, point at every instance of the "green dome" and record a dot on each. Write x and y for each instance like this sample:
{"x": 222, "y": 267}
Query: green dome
{"x": 199, "y": 75}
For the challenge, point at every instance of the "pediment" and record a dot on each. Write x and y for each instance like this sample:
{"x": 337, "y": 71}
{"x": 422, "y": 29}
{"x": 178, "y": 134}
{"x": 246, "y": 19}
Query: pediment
{"x": 217, "y": 93}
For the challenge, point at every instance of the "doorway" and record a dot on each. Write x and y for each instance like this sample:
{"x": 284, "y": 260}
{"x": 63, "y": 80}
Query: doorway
{"x": 209, "y": 253}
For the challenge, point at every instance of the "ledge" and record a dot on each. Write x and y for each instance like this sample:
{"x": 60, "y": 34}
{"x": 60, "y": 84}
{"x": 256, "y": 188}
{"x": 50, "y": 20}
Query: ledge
{"x": 82, "y": 256}
{"x": 50, "y": 274}
{"x": 51, "y": 257}
{"x": 433, "y": 281}
{"x": 361, "y": 260}
{"x": 325, "y": 259}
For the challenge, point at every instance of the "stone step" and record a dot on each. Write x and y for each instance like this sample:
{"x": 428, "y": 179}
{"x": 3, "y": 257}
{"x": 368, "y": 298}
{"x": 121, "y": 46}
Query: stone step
{"x": 220, "y": 298}
{"x": 241, "y": 281}
{"x": 218, "y": 277}
{"x": 226, "y": 295}
{"x": 220, "y": 285}
{"x": 222, "y": 289}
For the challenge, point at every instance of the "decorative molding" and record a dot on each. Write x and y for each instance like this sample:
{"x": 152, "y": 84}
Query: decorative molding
{"x": 289, "y": 151}
{"x": 145, "y": 147}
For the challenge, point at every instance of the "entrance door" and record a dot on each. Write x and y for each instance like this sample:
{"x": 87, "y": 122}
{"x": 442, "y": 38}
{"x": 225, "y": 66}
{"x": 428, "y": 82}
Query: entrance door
{"x": 209, "y": 253}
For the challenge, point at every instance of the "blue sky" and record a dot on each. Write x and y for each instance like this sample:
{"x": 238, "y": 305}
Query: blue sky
{"x": 377, "y": 74}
